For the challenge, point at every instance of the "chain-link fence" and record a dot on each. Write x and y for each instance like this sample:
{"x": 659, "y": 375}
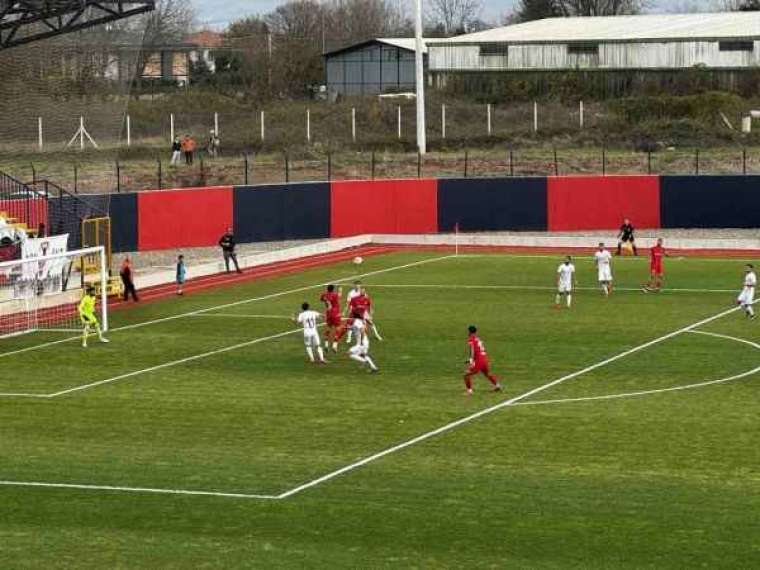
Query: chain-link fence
{"x": 102, "y": 176}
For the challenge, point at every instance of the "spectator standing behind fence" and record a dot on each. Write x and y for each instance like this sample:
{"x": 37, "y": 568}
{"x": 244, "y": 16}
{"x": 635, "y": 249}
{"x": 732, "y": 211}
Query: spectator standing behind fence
{"x": 188, "y": 147}
{"x": 214, "y": 144}
{"x": 181, "y": 273}
{"x": 626, "y": 236}
{"x": 127, "y": 278}
{"x": 176, "y": 151}
{"x": 227, "y": 243}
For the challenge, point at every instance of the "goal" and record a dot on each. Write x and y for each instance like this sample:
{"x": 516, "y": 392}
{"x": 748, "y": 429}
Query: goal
{"x": 42, "y": 293}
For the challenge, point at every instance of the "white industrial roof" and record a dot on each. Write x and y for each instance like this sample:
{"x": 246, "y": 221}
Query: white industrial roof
{"x": 622, "y": 28}
{"x": 403, "y": 43}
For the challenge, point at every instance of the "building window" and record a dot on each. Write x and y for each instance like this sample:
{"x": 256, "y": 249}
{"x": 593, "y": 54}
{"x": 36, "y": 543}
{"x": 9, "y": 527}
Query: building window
{"x": 583, "y": 49}
{"x": 737, "y": 46}
{"x": 494, "y": 49}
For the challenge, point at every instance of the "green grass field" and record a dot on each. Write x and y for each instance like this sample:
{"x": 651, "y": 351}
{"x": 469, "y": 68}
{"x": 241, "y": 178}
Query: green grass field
{"x": 558, "y": 479}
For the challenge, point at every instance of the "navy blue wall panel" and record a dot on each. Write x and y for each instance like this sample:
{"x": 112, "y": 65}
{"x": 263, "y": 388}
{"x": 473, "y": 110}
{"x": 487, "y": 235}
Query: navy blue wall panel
{"x": 479, "y": 204}
{"x": 293, "y": 211}
{"x": 710, "y": 201}
{"x": 65, "y": 214}
{"x": 123, "y": 211}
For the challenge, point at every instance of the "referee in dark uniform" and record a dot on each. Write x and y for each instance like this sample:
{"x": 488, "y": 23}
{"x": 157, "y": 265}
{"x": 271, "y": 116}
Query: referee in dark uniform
{"x": 626, "y": 235}
{"x": 227, "y": 243}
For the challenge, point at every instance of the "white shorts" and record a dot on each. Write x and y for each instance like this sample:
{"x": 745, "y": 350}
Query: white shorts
{"x": 311, "y": 339}
{"x": 605, "y": 274}
{"x": 747, "y": 296}
{"x": 359, "y": 349}
{"x": 565, "y": 288}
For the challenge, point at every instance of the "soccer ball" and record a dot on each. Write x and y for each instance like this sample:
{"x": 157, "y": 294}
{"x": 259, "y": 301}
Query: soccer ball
{"x": 358, "y": 260}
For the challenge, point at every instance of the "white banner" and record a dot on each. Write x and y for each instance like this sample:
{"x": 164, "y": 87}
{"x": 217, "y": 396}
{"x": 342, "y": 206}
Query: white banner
{"x": 48, "y": 274}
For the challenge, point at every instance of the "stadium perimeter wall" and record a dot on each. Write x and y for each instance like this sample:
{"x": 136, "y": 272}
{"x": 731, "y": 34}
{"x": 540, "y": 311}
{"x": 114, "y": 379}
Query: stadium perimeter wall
{"x": 174, "y": 219}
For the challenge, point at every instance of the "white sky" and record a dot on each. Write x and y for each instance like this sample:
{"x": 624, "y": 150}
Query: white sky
{"x": 217, "y": 13}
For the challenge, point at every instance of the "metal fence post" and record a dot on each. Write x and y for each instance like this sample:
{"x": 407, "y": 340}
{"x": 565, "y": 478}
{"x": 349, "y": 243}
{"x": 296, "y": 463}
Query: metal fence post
{"x": 604, "y": 161}
{"x": 372, "y": 165}
{"x": 696, "y": 162}
{"x": 118, "y": 176}
{"x": 287, "y": 168}
{"x": 419, "y": 164}
{"x": 159, "y": 173}
{"x": 76, "y": 179}
{"x": 466, "y": 162}
{"x": 511, "y": 163}
{"x": 556, "y": 166}
{"x": 245, "y": 162}
{"x": 744, "y": 161}
{"x": 649, "y": 162}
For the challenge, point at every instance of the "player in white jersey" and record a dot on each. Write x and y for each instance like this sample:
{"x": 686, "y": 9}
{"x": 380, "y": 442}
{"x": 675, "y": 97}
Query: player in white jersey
{"x": 565, "y": 282}
{"x": 360, "y": 350}
{"x": 603, "y": 260}
{"x": 355, "y": 291}
{"x": 309, "y": 320}
{"x": 747, "y": 296}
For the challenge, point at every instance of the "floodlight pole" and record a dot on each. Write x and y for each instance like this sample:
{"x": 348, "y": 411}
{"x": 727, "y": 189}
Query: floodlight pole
{"x": 419, "y": 68}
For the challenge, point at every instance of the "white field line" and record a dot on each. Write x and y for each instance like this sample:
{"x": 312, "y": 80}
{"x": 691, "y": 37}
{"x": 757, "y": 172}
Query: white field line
{"x": 638, "y": 258}
{"x": 174, "y": 363}
{"x": 512, "y": 401}
{"x": 134, "y": 489}
{"x": 232, "y": 304}
{"x": 19, "y": 395}
{"x": 662, "y": 390}
{"x": 643, "y": 392}
{"x": 243, "y": 316}
{"x": 532, "y": 288}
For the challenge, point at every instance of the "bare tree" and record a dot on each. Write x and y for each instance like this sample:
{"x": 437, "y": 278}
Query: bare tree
{"x": 454, "y": 16}
{"x": 740, "y": 5}
{"x": 528, "y": 10}
{"x": 600, "y": 7}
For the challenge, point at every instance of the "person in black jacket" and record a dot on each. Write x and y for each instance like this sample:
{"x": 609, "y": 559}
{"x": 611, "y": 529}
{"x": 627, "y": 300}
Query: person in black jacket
{"x": 227, "y": 243}
{"x": 626, "y": 235}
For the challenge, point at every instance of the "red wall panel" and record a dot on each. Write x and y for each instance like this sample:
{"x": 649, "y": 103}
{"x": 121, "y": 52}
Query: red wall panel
{"x": 601, "y": 202}
{"x": 31, "y": 211}
{"x": 383, "y": 207}
{"x": 183, "y": 218}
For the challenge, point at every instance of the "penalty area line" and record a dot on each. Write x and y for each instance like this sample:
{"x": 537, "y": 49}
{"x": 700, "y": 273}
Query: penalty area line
{"x": 134, "y": 489}
{"x": 487, "y": 411}
{"x": 234, "y": 303}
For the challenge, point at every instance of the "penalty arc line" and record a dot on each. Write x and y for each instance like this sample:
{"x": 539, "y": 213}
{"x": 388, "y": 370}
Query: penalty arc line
{"x": 487, "y": 411}
{"x": 232, "y": 304}
{"x": 661, "y": 390}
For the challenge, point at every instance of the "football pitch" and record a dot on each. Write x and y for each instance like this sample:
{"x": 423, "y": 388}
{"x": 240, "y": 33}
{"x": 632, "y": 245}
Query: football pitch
{"x": 626, "y": 437}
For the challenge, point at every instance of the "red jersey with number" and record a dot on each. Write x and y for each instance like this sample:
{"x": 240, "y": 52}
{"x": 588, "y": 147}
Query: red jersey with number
{"x": 360, "y": 305}
{"x": 332, "y": 301}
{"x": 656, "y": 255}
{"x": 477, "y": 350}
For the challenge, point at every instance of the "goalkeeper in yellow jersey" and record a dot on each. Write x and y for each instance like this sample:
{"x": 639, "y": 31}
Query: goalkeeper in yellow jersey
{"x": 87, "y": 316}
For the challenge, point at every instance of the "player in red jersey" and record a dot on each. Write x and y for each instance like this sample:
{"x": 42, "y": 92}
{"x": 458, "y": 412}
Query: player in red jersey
{"x": 359, "y": 307}
{"x": 478, "y": 362}
{"x": 656, "y": 272}
{"x": 333, "y": 321}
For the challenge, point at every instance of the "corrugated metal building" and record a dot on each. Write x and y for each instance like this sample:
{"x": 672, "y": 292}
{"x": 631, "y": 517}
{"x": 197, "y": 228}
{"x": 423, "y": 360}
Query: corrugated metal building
{"x": 658, "y": 42}
{"x": 374, "y": 66}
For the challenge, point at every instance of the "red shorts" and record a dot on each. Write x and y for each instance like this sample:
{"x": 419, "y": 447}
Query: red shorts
{"x": 333, "y": 319}
{"x": 656, "y": 268}
{"x": 478, "y": 366}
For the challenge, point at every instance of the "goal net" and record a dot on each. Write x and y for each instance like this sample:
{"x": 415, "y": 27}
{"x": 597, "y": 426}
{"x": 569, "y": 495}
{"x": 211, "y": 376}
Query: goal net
{"x": 43, "y": 293}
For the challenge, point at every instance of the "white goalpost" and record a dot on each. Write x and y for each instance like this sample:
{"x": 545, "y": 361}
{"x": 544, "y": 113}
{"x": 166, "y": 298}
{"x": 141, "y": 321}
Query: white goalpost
{"x": 43, "y": 293}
